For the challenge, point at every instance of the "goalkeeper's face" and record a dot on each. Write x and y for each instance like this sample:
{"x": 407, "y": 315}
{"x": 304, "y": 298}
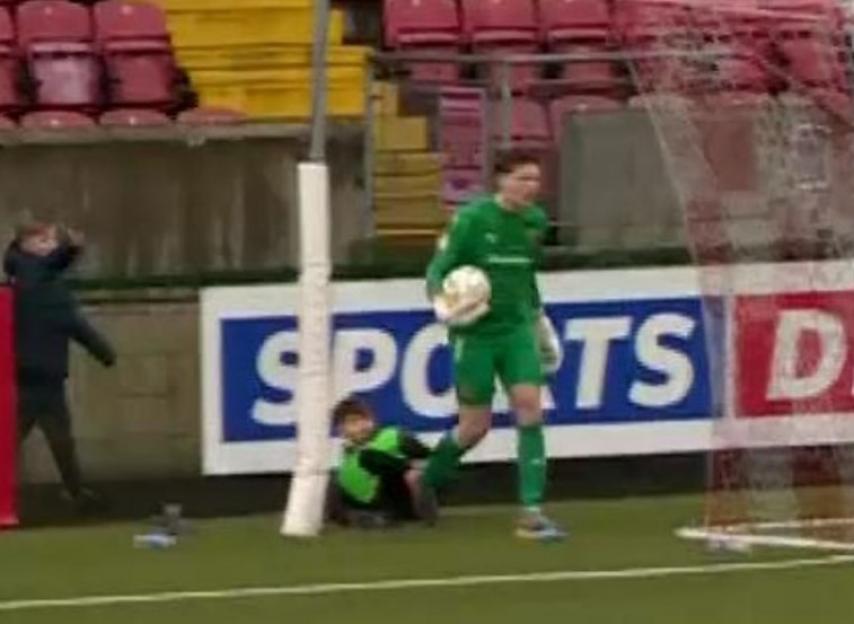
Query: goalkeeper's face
{"x": 521, "y": 186}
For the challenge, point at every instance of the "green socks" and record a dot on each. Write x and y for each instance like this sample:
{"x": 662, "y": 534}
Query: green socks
{"x": 531, "y": 460}
{"x": 444, "y": 461}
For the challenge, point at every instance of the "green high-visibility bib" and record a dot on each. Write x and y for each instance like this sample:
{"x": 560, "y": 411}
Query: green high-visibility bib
{"x": 357, "y": 482}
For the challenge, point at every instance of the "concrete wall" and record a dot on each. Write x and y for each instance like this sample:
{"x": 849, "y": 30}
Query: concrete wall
{"x": 179, "y": 201}
{"x": 140, "y": 419}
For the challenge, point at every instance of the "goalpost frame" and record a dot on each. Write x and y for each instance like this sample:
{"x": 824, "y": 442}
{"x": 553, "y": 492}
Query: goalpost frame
{"x": 306, "y": 499}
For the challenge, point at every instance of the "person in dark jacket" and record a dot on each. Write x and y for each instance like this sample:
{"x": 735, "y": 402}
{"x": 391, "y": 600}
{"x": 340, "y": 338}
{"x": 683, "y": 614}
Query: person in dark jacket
{"x": 47, "y": 318}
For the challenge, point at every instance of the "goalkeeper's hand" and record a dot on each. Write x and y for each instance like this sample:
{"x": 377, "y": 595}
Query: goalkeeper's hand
{"x": 551, "y": 349}
{"x": 457, "y": 313}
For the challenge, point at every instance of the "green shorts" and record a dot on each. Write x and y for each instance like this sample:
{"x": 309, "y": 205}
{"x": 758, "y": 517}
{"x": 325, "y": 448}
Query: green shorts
{"x": 513, "y": 357}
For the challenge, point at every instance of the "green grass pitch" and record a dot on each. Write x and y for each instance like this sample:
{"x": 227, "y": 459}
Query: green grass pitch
{"x": 631, "y": 538}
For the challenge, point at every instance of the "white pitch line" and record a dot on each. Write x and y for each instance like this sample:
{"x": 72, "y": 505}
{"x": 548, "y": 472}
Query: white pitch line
{"x": 403, "y": 584}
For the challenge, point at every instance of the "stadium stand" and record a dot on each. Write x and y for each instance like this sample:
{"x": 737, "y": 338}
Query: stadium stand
{"x": 417, "y": 26}
{"x": 406, "y": 173}
{"x": 255, "y": 57}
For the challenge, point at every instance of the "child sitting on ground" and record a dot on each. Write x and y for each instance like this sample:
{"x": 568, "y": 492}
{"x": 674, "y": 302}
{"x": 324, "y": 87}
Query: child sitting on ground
{"x": 377, "y": 483}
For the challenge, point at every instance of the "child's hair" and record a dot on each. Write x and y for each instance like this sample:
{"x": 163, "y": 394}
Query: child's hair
{"x": 349, "y": 406}
{"x": 31, "y": 228}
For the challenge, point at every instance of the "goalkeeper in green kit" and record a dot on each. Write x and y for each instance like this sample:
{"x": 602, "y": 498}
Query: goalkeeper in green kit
{"x": 507, "y": 336}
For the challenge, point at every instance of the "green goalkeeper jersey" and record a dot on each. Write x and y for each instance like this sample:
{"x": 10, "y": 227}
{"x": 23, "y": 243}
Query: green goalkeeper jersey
{"x": 505, "y": 244}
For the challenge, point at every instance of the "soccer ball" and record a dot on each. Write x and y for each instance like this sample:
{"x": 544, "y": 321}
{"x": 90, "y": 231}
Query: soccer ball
{"x": 466, "y": 286}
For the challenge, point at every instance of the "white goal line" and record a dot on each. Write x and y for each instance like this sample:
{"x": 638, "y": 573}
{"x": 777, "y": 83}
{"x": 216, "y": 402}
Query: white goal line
{"x": 750, "y": 534}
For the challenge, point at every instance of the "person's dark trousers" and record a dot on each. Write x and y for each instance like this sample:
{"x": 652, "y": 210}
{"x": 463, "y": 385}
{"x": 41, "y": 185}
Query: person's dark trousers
{"x": 42, "y": 403}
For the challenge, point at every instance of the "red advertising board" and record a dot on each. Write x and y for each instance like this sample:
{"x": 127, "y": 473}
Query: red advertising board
{"x": 8, "y": 420}
{"x": 795, "y": 354}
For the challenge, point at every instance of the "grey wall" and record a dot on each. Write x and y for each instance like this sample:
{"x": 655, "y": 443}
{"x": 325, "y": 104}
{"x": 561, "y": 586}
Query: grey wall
{"x": 179, "y": 202}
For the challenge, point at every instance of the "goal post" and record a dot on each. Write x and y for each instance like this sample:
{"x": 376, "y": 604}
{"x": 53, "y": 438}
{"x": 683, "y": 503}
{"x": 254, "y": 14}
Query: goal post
{"x": 306, "y": 500}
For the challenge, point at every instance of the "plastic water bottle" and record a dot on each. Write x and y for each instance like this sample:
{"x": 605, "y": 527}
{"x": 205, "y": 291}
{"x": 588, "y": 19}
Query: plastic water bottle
{"x": 154, "y": 541}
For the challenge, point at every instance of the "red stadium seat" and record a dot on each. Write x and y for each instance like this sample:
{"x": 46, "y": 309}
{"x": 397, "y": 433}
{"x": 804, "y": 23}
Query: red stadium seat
{"x": 415, "y": 23}
{"x": 459, "y": 185}
{"x": 10, "y": 67}
{"x": 462, "y": 134}
{"x": 589, "y": 75}
{"x": 140, "y": 77}
{"x": 504, "y": 27}
{"x": 636, "y": 21}
{"x": 128, "y": 117}
{"x": 462, "y": 112}
{"x": 500, "y": 21}
{"x": 53, "y": 21}
{"x": 211, "y": 116}
{"x": 529, "y": 124}
{"x": 56, "y": 38}
{"x": 137, "y": 52}
{"x": 65, "y": 77}
{"x": 121, "y": 20}
{"x": 560, "y": 108}
{"x": 418, "y": 26}
{"x": 812, "y": 62}
{"x": 575, "y": 20}
{"x": 56, "y": 120}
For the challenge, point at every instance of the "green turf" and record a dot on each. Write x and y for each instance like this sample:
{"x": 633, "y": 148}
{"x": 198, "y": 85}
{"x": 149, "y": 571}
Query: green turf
{"x": 248, "y": 552}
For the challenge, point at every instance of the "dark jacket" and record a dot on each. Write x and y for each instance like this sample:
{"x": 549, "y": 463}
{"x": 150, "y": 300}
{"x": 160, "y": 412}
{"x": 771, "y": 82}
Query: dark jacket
{"x": 47, "y": 315}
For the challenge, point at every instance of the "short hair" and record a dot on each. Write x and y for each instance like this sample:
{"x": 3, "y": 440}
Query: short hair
{"x": 507, "y": 161}
{"x": 31, "y": 228}
{"x": 348, "y": 407}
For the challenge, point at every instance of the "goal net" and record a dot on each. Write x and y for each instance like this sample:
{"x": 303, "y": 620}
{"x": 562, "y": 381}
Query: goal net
{"x": 751, "y": 104}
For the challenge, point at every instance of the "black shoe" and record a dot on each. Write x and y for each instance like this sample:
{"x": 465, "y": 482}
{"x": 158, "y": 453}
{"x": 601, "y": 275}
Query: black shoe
{"x": 368, "y": 520}
{"x": 426, "y": 503}
{"x": 86, "y": 503}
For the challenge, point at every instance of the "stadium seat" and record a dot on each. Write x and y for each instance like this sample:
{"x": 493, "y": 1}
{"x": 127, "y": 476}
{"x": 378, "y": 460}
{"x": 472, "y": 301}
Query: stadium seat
{"x": 459, "y": 185}
{"x": 462, "y": 134}
{"x": 122, "y": 20}
{"x": 529, "y": 124}
{"x": 416, "y": 23}
{"x": 53, "y": 21}
{"x": 637, "y": 21}
{"x": 56, "y": 39}
{"x": 591, "y": 75}
{"x": 10, "y": 67}
{"x": 575, "y": 21}
{"x": 743, "y": 72}
{"x": 500, "y": 21}
{"x": 461, "y": 127}
{"x": 504, "y": 27}
{"x": 812, "y": 62}
{"x": 56, "y": 120}
{"x": 128, "y": 117}
{"x": 418, "y": 26}
{"x": 7, "y": 124}
{"x": 138, "y": 56}
{"x": 205, "y": 116}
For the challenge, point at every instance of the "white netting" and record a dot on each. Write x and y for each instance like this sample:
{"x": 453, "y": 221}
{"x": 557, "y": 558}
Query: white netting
{"x": 751, "y": 104}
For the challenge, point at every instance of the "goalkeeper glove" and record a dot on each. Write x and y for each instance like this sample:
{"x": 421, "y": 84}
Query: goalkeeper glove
{"x": 458, "y": 313}
{"x": 551, "y": 349}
